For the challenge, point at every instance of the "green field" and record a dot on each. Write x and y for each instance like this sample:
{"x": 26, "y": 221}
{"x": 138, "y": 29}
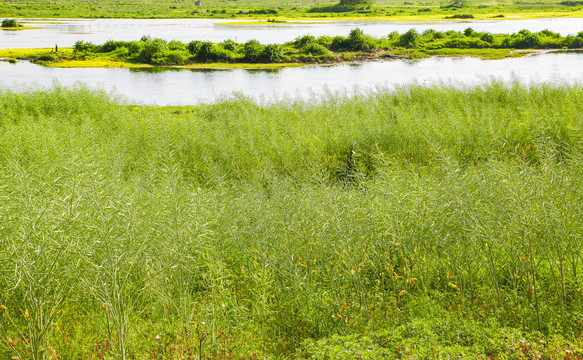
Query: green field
{"x": 417, "y": 223}
{"x": 379, "y": 9}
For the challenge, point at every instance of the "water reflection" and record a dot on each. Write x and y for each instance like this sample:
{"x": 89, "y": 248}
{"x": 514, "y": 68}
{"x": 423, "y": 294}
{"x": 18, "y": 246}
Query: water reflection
{"x": 169, "y": 86}
{"x": 66, "y": 32}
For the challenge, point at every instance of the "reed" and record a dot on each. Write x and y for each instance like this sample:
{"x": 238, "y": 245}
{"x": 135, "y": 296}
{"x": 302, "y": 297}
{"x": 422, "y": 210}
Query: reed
{"x": 239, "y": 231}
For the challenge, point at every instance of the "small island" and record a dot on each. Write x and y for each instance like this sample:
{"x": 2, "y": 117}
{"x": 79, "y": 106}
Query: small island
{"x": 307, "y": 49}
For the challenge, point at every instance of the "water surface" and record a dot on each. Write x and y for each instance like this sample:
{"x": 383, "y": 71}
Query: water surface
{"x": 66, "y": 32}
{"x": 183, "y": 87}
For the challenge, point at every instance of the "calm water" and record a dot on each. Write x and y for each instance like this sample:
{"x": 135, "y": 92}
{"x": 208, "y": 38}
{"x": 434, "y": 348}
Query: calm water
{"x": 182, "y": 87}
{"x": 66, "y": 32}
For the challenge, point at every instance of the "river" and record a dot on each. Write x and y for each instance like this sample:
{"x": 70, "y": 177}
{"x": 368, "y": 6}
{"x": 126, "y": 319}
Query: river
{"x": 183, "y": 87}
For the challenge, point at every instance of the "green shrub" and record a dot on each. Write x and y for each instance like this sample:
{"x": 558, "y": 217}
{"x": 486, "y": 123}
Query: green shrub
{"x": 230, "y": 45}
{"x": 358, "y": 41}
{"x": 409, "y": 39}
{"x": 253, "y": 51}
{"x": 487, "y": 37}
{"x": 209, "y": 52}
{"x": 302, "y": 41}
{"x": 465, "y": 44}
{"x": 460, "y": 16}
{"x": 524, "y": 39}
{"x": 314, "y": 49}
{"x": 134, "y": 48}
{"x": 150, "y": 48}
{"x": 81, "y": 46}
{"x": 176, "y": 45}
{"x": 339, "y": 43}
{"x": 170, "y": 57}
{"x": 111, "y": 45}
{"x": 10, "y": 23}
{"x": 354, "y": 2}
{"x": 272, "y": 53}
{"x": 194, "y": 46}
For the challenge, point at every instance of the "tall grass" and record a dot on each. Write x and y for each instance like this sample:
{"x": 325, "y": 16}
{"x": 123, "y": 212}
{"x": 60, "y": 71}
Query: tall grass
{"x": 234, "y": 230}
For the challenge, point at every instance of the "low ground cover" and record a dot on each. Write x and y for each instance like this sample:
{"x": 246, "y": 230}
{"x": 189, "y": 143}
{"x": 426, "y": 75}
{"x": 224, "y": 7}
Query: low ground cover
{"x": 285, "y": 9}
{"x": 422, "y": 222}
{"x": 306, "y": 49}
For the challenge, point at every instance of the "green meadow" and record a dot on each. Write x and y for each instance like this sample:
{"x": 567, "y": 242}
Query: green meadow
{"x": 397, "y": 10}
{"x": 421, "y": 222}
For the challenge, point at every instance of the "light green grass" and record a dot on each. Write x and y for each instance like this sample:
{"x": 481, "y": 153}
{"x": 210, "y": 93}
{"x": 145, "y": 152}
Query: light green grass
{"x": 422, "y": 222}
{"x": 391, "y": 10}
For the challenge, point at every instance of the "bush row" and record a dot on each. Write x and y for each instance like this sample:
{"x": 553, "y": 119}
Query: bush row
{"x": 162, "y": 52}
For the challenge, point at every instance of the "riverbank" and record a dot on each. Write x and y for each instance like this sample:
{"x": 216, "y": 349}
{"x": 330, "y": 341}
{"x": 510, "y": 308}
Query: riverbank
{"x": 307, "y": 49}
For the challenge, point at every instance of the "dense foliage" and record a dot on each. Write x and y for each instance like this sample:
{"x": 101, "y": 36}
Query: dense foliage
{"x": 10, "y": 23}
{"x": 415, "y": 223}
{"x": 322, "y": 49}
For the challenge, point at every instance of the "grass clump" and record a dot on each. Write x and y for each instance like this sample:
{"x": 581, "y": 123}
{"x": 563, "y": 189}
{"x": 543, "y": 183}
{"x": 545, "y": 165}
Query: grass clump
{"x": 425, "y": 221}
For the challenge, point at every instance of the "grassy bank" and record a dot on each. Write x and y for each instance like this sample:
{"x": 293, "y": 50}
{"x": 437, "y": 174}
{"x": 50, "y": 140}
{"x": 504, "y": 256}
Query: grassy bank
{"x": 423, "y": 222}
{"x": 306, "y": 49}
{"x": 285, "y": 9}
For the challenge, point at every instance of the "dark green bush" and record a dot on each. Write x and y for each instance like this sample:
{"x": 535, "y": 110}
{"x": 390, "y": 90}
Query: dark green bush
{"x": 354, "y": 2}
{"x": 358, "y": 41}
{"x": 524, "y": 39}
{"x": 314, "y": 49}
{"x": 176, "y": 45}
{"x": 574, "y": 42}
{"x": 339, "y": 43}
{"x": 209, "y": 52}
{"x": 471, "y": 43}
{"x": 194, "y": 46}
{"x": 134, "y": 48}
{"x": 487, "y": 37}
{"x": 470, "y": 32}
{"x": 253, "y": 51}
{"x": 409, "y": 39}
{"x": 230, "y": 45}
{"x": 81, "y": 46}
{"x": 428, "y": 34}
{"x": 170, "y": 57}
{"x": 272, "y": 53}
{"x": 111, "y": 45}
{"x": 150, "y": 48}
{"x": 10, "y": 23}
{"x": 460, "y": 16}
{"x": 263, "y": 12}
{"x": 301, "y": 42}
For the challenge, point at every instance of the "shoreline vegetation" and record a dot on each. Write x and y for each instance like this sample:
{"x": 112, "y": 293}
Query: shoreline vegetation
{"x": 357, "y": 47}
{"x": 422, "y": 222}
